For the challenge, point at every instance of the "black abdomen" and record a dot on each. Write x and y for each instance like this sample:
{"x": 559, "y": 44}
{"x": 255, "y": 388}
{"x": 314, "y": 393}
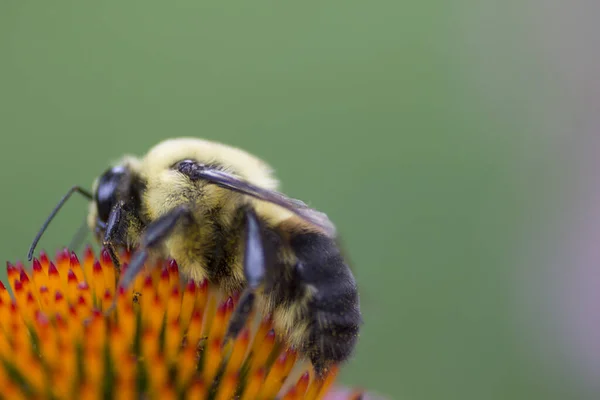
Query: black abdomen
{"x": 333, "y": 312}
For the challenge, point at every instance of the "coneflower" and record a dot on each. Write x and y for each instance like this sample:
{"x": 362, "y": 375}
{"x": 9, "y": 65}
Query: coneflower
{"x": 163, "y": 339}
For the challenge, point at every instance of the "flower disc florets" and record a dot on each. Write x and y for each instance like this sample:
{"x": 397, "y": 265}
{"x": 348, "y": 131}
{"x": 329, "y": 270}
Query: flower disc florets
{"x": 163, "y": 338}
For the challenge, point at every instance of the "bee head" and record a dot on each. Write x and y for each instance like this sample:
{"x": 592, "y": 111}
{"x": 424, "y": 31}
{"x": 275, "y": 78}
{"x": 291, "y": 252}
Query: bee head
{"x": 115, "y": 203}
{"x": 106, "y": 192}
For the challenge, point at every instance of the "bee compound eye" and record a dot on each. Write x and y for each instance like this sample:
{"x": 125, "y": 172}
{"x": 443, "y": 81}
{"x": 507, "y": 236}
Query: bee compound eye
{"x": 106, "y": 193}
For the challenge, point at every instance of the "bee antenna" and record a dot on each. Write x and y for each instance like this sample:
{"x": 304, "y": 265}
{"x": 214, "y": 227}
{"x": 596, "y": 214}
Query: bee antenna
{"x": 74, "y": 189}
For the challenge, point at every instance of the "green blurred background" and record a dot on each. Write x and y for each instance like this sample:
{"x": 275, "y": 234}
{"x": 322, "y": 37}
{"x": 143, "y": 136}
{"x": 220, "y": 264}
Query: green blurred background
{"x": 421, "y": 128}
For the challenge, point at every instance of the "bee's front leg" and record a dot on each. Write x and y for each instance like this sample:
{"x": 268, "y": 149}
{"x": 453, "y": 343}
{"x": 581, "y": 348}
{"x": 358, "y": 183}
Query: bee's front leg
{"x": 154, "y": 236}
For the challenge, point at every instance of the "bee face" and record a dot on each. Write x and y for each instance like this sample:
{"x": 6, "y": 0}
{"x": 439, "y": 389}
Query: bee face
{"x": 105, "y": 195}
{"x": 107, "y": 192}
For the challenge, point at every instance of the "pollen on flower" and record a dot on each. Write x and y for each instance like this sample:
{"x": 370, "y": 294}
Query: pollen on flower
{"x": 68, "y": 331}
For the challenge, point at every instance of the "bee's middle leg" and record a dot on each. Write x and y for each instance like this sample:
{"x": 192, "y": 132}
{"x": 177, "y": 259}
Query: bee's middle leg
{"x": 254, "y": 272}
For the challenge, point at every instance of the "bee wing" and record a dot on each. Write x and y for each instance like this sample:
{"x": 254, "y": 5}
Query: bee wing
{"x": 231, "y": 182}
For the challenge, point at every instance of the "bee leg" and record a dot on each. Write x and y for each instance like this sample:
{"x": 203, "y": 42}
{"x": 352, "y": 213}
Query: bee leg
{"x": 114, "y": 232}
{"x": 254, "y": 271}
{"x": 153, "y": 237}
{"x": 240, "y": 315}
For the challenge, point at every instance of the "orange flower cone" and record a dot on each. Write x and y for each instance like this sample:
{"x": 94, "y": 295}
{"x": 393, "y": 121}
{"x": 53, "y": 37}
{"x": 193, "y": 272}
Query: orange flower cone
{"x": 163, "y": 339}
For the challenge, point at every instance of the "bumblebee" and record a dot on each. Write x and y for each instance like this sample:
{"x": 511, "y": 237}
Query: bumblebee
{"x": 216, "y": 210}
